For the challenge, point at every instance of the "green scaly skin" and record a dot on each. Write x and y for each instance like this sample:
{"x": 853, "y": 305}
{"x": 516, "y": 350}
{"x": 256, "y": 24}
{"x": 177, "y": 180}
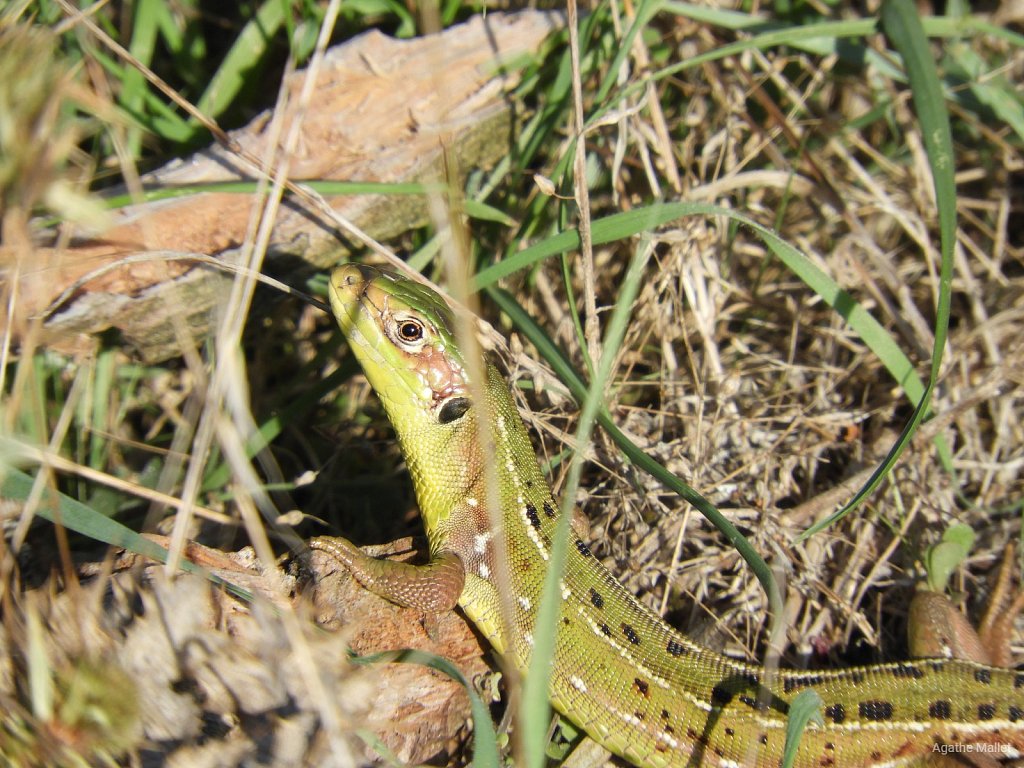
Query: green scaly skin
{"x": 635, "y": 685}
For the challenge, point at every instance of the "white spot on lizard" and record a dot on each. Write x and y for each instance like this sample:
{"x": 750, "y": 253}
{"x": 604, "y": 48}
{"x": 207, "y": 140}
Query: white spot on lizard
{"x": 566, "y": 592}
{"x": 667, "y": 739}
{"x": 578, "y": 684}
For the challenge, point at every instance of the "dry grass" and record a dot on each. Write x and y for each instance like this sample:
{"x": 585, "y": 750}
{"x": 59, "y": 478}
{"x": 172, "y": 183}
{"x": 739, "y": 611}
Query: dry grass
{"x": 733, "y": 374}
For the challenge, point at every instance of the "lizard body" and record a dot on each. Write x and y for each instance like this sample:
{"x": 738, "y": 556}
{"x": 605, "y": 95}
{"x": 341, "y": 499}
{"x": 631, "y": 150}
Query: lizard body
{"x": 638, "y": 687}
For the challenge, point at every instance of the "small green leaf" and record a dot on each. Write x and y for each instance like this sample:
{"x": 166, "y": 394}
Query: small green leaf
{"x": 804, "y": 709}
{"x": 485, "y": 212}
{"x": 946, "y": 556}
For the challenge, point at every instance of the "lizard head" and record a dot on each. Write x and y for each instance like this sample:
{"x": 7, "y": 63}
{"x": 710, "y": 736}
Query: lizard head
{"x": 402, "y": 333}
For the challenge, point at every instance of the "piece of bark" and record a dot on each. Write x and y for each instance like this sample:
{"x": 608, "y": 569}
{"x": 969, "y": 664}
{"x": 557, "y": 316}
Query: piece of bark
{"x": 383, "y": 111}
{"x": 419, "y": 713}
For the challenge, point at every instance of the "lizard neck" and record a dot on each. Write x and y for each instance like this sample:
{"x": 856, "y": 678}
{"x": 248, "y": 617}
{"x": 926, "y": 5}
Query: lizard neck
{"x": 449, "y": 467}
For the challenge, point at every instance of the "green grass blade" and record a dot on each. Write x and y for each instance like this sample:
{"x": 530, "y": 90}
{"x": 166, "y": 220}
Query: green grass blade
{"x": 75, "y": 516}
{"x": 605, "y": 230}
{"x": 323, "y": 187}
{"x": 578, "y": 389}
{"x": 903, "y": 27}
{"x": 249, "y": 48}
{"x": 621, "y": 225}
{"x": 483, "y": 212}
{"x": 219, "y": 473}
{"x": 806, "y": 708}
{"x": 164, "y": 122}
{"x": 1002, "y": 97}
{"x": 821, "y": 38}
{"x": 646, "y": 11}
{"x": 145, "y": 24}
{"x": 535, "y": 708}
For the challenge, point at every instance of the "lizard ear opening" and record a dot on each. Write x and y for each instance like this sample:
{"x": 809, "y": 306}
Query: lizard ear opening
{"x": 453, "y": 410}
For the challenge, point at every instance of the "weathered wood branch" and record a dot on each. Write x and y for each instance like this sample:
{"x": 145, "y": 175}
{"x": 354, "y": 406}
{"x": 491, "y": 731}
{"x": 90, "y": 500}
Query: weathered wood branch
{"x": 383, "y": 112}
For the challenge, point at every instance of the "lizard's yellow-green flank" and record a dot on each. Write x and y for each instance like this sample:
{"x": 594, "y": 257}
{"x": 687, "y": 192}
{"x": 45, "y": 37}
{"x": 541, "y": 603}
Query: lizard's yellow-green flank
{"x": 635, "y": 685}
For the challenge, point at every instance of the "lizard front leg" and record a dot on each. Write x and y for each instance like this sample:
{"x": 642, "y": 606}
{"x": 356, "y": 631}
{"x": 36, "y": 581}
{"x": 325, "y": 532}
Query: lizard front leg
{"x": 433, "y": 587}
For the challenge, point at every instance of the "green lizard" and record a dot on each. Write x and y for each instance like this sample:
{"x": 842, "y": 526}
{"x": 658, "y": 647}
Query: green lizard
{"x": 635, "y": 685}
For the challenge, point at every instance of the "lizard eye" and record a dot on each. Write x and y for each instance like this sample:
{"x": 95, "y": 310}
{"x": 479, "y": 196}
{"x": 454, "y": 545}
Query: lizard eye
{"x": 410, "y": 330}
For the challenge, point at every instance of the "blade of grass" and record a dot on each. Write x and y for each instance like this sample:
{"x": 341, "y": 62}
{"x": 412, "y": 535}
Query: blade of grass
{"x": 805, "y": 708}
{"x": 159, "y": 117}
{"x": 73, "y": 515}
{"x": 903, "y": 28}
{"x": 99, "y": 415}
{"x": 142, "y": 45}
{"x": 818, "y": 38}
{"x": 251, "y": 45}
{"x": 622, "y": 225}
{"x": 535, "y": 709}
{"x": 646, "y": 10}
{"x": 996, "y": 92}
{"x": 218, "y": 475}
{"x": 250, "y": 187}
{"x": 578, "y": 389}
{"x": 618, "y": 226}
